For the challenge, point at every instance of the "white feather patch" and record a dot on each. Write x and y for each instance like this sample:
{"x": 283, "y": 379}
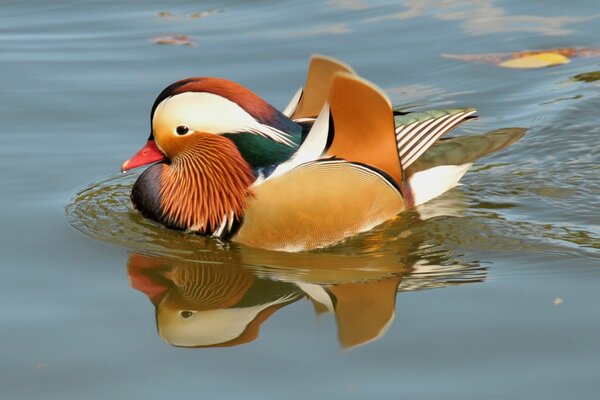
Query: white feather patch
{"x": 311, "y": 149}
{"x": 430, "y": 183}
{"x": 291, "y": 107}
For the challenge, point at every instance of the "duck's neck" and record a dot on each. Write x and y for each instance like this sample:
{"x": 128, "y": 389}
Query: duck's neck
{"x": 260, "y": 151}
{"x": 204, "y": 189}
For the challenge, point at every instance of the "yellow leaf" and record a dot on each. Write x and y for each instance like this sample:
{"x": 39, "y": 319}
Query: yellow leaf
{"x": 540, "y": 60}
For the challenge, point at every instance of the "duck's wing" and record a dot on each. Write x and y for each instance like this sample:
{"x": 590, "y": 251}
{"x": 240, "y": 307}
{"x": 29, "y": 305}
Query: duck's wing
{"x": 441, "y": 167}
{"x": 363, "y": 126}
{"x": 417, "y": 132}
{"x": 309, "y": 100}
{"x": 356, "y": 124}
{"x": 466, "y": 149}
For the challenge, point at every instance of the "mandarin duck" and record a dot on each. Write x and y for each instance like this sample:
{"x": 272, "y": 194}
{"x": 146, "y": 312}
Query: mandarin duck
{"x": 338, "y": 161}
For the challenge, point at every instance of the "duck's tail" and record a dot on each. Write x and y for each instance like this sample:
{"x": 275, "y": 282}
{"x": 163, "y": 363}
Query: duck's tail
{"x": 440, "y": 168}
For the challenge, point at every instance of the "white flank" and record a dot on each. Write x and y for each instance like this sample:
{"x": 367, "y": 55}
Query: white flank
{"x": 428, "y": 184}
{"x": 211, "y": 113}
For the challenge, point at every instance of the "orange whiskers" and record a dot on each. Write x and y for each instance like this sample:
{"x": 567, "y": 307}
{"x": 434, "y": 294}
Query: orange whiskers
{"x": 207, "y": 183}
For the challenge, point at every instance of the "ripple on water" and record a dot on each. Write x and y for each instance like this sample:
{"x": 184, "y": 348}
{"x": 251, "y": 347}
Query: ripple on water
{"x": 435, "y": 240}
{"x": 103, "y": 211}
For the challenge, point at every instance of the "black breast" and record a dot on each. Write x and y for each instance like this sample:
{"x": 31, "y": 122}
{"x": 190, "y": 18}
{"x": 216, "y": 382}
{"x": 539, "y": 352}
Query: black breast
{"x": 145, "y": 196}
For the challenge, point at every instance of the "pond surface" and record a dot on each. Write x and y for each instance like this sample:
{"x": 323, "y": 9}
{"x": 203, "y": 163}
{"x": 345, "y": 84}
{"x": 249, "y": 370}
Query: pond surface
{"x": 490, "y": 291}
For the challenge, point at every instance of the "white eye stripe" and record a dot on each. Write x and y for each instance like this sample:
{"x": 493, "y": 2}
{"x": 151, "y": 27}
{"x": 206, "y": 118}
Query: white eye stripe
{"x": 211, "y": 113}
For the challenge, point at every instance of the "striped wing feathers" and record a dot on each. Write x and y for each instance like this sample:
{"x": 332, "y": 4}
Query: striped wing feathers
{"x": 366, "y": 129}
{"x": 417, "y": 132}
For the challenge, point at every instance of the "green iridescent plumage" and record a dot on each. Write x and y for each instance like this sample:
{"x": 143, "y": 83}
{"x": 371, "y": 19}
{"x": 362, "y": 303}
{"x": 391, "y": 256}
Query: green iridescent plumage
{"x": 422, "y": 116}
{"x": 259, "y": 151}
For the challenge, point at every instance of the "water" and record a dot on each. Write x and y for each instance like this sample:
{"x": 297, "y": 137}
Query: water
{"x": 497, "y": 291}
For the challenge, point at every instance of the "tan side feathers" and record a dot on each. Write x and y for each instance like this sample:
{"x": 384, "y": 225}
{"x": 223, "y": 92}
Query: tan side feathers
{"x": 321, "y": 71}
{"x": 363, "y": 123}
{"x": 316, "y": 204}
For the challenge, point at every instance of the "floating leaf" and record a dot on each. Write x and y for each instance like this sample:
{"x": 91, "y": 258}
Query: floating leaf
{"x": 535, "y": 61}
{"x": 528, "y": 59}
{"x": 203, "y": 14}
{"x": 178, "y": 40}
{"x": 588, "y": 76}
{"x": 165, "y": 14}
{"x": 558, "y": 301}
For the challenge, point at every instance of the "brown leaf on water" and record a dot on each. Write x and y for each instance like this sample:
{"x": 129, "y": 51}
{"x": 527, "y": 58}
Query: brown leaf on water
{"x": 587, "y": 77}
{"x": 528, "y": 59}
{"x": 558, "y": 301}
{"x": 166, "y": 14}
{"x": 177, "y": 40}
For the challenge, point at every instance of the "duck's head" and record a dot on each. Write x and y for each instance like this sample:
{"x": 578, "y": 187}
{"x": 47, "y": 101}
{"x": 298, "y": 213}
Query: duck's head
{"x": 210, "y": 135}
{"x": 201, "y": 106}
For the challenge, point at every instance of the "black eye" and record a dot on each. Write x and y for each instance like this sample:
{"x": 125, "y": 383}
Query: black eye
{"x": 182, "y": 130}
{"x": 186, "y": 314}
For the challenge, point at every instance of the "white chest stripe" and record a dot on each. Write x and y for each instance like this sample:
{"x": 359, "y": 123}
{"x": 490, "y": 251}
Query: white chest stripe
{"x": 313, "y": 146}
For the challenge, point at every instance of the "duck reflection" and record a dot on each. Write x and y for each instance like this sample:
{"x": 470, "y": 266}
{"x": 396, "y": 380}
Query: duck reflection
{"x": 199, "y": 304}
{"x": 222, "y": 296}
